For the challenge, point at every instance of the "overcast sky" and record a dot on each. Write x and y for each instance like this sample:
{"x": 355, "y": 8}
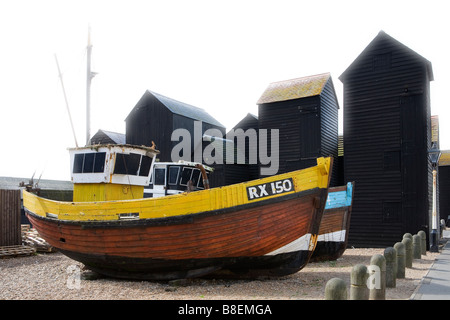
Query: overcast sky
{"x": 215, "y": 55}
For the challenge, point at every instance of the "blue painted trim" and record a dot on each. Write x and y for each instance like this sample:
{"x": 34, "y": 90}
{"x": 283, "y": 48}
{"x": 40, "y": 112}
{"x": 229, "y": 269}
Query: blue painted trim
{"x": 339, "y": 199}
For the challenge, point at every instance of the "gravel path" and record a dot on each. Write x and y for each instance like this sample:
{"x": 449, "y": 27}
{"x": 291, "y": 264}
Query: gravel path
{"x": 53, "y": 276}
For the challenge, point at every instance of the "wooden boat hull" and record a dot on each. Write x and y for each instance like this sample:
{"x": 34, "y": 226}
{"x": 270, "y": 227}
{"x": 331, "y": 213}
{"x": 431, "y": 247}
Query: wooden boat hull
{"x": 274, "y": 237}
{"x": 264, "y": 227}
{"x": 333, "y": 232}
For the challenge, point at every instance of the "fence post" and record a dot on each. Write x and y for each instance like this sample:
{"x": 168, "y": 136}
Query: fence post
{"x": 401, "y": 251}
{"x": 408, "y": 252}
{"x": 423, "y": 237}
{"x": 417, "y": 247}
{"x": 358, "y": 283}
{"x": 390, "y": 254}
{"x": 377, "y": 278}
{"x": 336, "y": 289}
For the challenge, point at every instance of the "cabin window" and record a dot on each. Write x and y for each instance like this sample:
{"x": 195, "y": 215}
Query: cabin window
{"x": 160, "y": 176}
{"x": 132, "y": 164}
{"x": 78, "y": 163}
{"x": 173, "y": 175}
{"x": 186, "y": 176}
{"x": 195, "y": 177}
{"x": 89, "y": 162}
{"x": 146, "y": 163}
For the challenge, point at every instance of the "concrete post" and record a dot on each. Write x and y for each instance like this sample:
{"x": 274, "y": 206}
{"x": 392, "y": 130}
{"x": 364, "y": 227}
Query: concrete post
{"x": 407, "y": 235}
{"x": 417, "y": 246}
{"x": 408, "y": 252}
{"x": 423, "y": 237}
{"x": 390, "y": 254}
{"x": 358, "y": 283}
{"x": 336, "y": 289}
{"x": 401, "y": 263}
{"x": 377, "y": 278}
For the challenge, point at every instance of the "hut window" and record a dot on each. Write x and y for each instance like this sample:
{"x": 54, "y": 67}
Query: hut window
{"x": 173, "y": 175}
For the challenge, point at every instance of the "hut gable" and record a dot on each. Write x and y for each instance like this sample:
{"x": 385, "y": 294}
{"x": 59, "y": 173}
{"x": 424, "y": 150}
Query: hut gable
{"x": 387, "y": 134}
{"x": 385, "y": 53}
{"x": 108, "y": 137}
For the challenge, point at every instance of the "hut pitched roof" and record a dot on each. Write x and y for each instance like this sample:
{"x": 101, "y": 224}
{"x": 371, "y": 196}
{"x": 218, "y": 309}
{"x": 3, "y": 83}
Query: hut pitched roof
{"x": 295, "y": 88}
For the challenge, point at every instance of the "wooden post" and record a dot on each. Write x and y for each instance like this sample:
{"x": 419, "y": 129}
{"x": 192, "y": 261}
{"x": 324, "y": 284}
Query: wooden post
{"x": 390, "y": 254}
{"x": 358, "y": 283}
{"x": 423, "y": 237}
{"x": 377, "y": 278}
{"x": 336, "y": 289}
{"x": 408, "y": 252}
{"x": 417, "y": 246}
{"x": 401, "y": 252}
{"x": 10, "y": 230}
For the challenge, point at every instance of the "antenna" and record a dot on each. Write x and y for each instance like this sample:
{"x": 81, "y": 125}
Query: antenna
{"x": 89, "y": 76}
{"x": 67, "y": 103}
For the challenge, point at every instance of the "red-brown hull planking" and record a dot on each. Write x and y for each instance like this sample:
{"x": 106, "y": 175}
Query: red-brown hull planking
{"x": 240, "y": 239}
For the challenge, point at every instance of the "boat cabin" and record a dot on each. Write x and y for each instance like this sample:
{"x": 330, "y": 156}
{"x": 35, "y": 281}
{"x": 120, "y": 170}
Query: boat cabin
{"x": 126, "y": 172}
{"x": 176, "y": 177}
{"x": 110, "y": 172}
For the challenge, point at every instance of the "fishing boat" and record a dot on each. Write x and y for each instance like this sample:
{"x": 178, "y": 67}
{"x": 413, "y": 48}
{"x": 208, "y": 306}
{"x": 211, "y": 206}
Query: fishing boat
{"x": 264, "y": 227}
{"x": 333, "y": 231}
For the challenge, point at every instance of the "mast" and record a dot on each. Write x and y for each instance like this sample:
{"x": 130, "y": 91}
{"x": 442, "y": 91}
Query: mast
{"x": 65, "y": 99}
{"x": 89, "y": 76}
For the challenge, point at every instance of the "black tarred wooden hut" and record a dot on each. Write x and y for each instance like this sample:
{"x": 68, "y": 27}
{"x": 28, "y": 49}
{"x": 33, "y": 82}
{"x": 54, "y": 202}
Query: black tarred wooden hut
{"x": 246, "y": 167}
{"x": 386, "y": 137}
{"x": 305, "y": 110}
{"x": 155, "y": 117}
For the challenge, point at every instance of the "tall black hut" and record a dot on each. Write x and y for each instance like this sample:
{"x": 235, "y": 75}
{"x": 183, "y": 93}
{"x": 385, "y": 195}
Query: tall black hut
{"x": 386, "y": 137}
{"x": 305, "y": 110}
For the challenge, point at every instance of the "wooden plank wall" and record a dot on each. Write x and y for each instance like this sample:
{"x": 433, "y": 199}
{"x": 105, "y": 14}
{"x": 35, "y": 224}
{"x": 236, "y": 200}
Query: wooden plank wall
{"x": 10, "y": 203}
{"x": 386, "y": 137}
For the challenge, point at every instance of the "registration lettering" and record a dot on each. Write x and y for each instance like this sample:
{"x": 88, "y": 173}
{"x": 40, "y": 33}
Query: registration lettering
{"x": 269, "y": 189}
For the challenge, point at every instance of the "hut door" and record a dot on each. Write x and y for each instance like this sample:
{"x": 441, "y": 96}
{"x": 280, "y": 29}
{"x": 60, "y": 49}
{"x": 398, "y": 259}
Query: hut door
{"x": 410, "y": 144}
{"x": 309, "y": 133}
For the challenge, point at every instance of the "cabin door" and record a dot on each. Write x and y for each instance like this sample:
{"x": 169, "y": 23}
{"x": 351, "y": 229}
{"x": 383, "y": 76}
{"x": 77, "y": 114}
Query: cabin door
{"x": 159, "y": 181}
